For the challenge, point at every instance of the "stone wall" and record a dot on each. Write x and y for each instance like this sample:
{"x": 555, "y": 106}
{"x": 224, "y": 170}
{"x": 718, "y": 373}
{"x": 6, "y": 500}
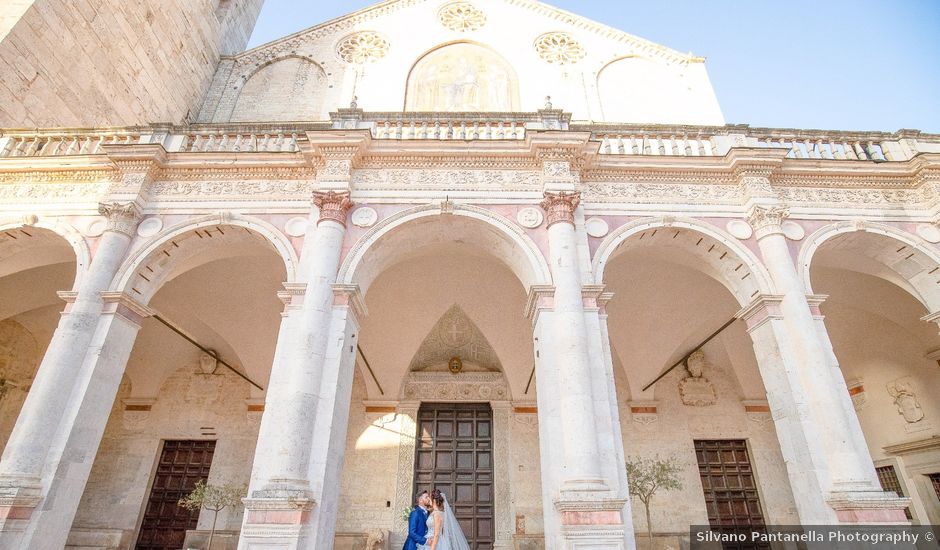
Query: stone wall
{"x": 19, "y": 359}
{"x": 190, "y": 405}
{"x": 113, "y": 62}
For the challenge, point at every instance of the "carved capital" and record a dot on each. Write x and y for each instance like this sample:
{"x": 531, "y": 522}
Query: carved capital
{"x": 122, "y": 217}
{"x": 333, "y": 206}
{"x": 560, "y": 207}
{"x": 767, "y": 220}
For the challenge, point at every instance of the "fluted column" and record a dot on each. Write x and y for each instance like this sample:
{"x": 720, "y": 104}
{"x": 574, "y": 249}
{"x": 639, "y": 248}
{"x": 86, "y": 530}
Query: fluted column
{"x": 281, "y": 492}
{"x": 569, "y": 345}
{"x": 28, "y": 451}
{"x": 849, "y": 472}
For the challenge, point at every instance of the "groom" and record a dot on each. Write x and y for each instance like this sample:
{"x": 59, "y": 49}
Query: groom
{"x": 417, "y": 523}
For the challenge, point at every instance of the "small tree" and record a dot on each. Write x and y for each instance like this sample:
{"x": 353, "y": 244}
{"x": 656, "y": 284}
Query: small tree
{"x": 646, "y": 476}
{"x": 214, "y": 498}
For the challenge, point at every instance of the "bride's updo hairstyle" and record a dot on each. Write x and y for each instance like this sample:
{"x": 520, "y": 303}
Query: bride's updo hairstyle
{"x": 438, "y": 497}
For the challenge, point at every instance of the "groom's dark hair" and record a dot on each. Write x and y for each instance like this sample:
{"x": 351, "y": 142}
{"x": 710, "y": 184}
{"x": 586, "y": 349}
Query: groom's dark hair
{"x": 420, "y": 494}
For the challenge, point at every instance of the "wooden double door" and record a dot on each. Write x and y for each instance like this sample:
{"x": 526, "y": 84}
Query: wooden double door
{"x": 728, "y": 481}
{"x": 182, "y": 464}
{"x": 454, "y": 453}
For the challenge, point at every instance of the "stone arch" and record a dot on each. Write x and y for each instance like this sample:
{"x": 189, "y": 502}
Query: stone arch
{"x": 501, "y": 238}
{"x": 193, "y": 243}
{"x": 462, "y": 76}
{"x": 52, "y": 230}
{"x": 637, "y": 89}
{"x": 718, "y": 255}
{"x": 293, "y": 81}
{"x": 881, "y": 251}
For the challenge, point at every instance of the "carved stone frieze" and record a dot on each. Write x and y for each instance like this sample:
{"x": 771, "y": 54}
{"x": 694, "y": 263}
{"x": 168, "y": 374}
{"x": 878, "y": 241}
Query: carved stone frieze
{"x": 26, "y": 192}
{"x": 466, "y": 386}
{"x": 234, "y": 189}
{"x": 447, "y": 180}
{"x": 646, "y": 193}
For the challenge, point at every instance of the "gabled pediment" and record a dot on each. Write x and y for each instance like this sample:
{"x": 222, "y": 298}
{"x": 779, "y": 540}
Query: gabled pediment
{"x": 455, "y": 335}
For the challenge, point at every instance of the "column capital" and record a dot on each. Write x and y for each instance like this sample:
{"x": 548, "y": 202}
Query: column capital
{"x": 122, "y": 304}
{"x": 539, "y": 298}
{"x": 767, "y": 220}
{"x": 559, "y": 207}
{"x": 333, "y": 206}
{"x": 763, "y": 308}
{"x": 123, "y": 217}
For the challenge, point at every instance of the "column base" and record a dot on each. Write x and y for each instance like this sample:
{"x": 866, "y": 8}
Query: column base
{"x": 869, "y": 507}
{"x": 583, "y": 489}
{"x": 276, "y": 518}
{"x": 19, "y": 496}
{"x": 596, "y": 524}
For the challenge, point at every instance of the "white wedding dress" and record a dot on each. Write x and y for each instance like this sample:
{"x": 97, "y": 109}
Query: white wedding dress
{"x": 452, "y": 537}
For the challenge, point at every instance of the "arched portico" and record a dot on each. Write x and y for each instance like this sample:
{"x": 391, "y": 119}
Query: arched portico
{"x": 877, "y": 287}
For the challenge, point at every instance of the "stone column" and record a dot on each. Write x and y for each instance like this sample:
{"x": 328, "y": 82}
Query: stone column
{"x": 583, "y": 484}
{"x": 281, "y": 498}
{"x": 28, "y": 457}
{"x": 854, "y": 490}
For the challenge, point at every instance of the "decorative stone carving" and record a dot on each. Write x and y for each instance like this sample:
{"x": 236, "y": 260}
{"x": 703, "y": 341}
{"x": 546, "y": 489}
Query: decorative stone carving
{"x": 362, "y": 47}
{"x": 122, "y": 217}
{"x": 466, "y": 386}
{"x": 150, "y": 227}
{"x": 333, "y": 206}
{"x": 560, "y": 207}
{"x": 857, "y": 392}
{"x": 696, "y": 390}
{"x": 644, "y": 412}
{"x": 94, "y": 227}
{"x": 375, "y": 539}
{"x": 461, "y": 17}
{"x": 455, "y": 335}
{"x": 446, "y": 180}
{"x": 902, "y": 390}
{"x": 462, "y": 77}
{"x": 793, "y": 230}
{"x": 529, "y": 217}
{"x": 208, "y": 364}
{"x": 559, "y": 48}
{"x": 740, "y": 229}
{"x": 364, "y": 216}
{"x": 767, "y": 219}
{"x": 929, "y": 233}
{"x": 296, "y": 227}
{"x": 596, "y": 227}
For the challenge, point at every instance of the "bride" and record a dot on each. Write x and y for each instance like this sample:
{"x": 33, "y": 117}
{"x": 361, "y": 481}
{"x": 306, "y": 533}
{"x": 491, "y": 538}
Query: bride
{"x": 444, "y": 532}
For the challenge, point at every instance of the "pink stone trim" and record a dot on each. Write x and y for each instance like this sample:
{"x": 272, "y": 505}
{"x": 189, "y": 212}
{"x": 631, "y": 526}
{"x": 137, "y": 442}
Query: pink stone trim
{"x": 278, "y": 517}
{"x": 881, "y": 515}
{"x": 15, "y": 512}
{"x": 601, "y": 517}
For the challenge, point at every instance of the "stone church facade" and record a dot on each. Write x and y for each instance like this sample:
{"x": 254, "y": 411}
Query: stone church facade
{"x": 363, "y": 260}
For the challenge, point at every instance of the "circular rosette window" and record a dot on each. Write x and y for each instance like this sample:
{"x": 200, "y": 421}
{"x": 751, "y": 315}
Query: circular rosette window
{"x": 362, "y": 47}
{"x": 559, "y": 48}
{"x": 462, "y": 17}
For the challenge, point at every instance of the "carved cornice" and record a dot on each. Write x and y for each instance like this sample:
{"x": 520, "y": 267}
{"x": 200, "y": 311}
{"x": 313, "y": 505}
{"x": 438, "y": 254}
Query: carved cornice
{"x": 334, "y": 206}
{"x": 560, "y": 207}
{"x": 122, "y": 217}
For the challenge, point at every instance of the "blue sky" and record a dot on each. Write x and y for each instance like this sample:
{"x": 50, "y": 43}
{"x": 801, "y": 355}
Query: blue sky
{"x": 836, "y": 64}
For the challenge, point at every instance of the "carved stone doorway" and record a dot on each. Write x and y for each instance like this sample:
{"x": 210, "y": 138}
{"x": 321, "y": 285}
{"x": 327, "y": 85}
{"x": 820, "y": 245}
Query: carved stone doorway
{"x": 454, "y": 453}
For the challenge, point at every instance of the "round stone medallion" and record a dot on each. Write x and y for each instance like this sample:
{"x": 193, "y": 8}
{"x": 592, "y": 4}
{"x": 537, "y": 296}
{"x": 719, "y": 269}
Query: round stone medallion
{"x": 793, "y": 230}
{"x": 740, "y": 229}
{"x": 529, "y": 217}
{"x": 362, "y": 47}
{"x": 559, "y": 48}
{"x": 364, "y": 216}
{"x": 929, "y": 233}
{"x": 462, "y": 17}
{"x": 150, "y": 227}
{"x": 95, "y": 227}
{"x": 296, "y": 227}
{"x": 596, "y": 227}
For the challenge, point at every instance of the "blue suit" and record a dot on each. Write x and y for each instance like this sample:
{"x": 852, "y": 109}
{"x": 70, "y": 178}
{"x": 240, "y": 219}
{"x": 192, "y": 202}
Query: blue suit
{"x": 417, "y": 529}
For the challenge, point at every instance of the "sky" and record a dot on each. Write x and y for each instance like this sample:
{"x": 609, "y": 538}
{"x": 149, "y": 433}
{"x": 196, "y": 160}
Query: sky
{"x": 824, "y": 64}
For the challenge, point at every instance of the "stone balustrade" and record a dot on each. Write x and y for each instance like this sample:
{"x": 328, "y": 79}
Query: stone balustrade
{"x": 613, "y": 139}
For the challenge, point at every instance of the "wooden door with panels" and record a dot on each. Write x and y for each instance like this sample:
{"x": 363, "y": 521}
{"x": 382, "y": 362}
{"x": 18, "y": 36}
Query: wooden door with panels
{"x": 454, "y": 453}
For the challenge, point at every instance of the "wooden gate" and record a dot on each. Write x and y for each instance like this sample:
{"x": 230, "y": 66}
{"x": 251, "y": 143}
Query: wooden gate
{"x": 731, "y": 497}
{"x": 182, "y": 464}
{"x": 454, "y": 453}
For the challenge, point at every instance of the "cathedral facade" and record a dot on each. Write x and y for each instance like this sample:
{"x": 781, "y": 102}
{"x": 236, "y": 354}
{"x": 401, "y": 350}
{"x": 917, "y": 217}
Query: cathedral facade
{"x": 503, "y": 256}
